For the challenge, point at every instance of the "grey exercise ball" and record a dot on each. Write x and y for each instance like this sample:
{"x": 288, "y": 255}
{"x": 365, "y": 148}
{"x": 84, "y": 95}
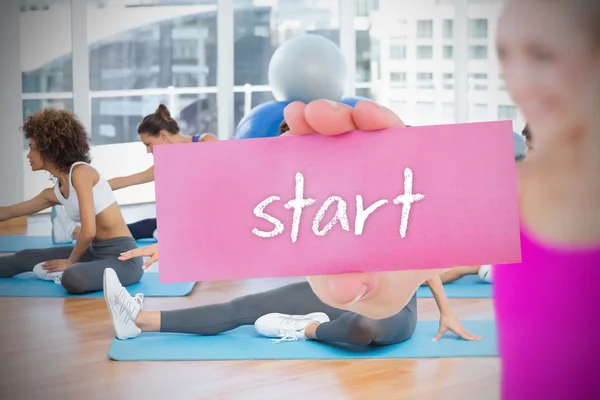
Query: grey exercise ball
{"x": 306, "y": 68}
{"x": 520, "y": 146}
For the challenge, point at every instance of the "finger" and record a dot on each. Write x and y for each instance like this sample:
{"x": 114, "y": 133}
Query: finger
{"x": 329, "y": 117}
{"x": 467, "y": 336}
{"x": 132, "y": 254}
{"x": 439, "y": 335}
{"x": 151, "y": 261}
{"x": 294, "y": 117}
{"x": 370, "y": 116}
{"x": 472, "y": 337}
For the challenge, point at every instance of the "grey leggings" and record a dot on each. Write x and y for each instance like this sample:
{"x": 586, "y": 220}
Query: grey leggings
{"x": 296, "y": 299}
{"x": 86, "y": 275}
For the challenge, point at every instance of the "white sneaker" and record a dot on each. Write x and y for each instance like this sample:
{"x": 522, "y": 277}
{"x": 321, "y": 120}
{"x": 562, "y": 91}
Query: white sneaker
{"x": 123, "y": 308}
{"x": 42, "y": 274}
{"x": 287, "y": 327}
{"x": 485, "y": 273}
{"x": 62, "y": 226}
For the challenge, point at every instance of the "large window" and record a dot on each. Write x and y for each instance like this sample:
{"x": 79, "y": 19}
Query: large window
{"x": 137, "y": 47}
{"x": 261, "y": 28}
{"x": 143, "y": 53}
{"x": 46, "y": 60}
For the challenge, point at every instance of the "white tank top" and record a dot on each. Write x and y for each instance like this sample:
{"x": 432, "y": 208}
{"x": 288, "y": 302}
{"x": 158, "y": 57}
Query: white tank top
{"x": 102, "y": 194}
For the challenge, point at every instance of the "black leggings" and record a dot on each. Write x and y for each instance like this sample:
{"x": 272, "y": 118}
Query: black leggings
{"x": 86, "y": 275}
{"x": 295, "y": 299}
{"x": 143, "y": 229}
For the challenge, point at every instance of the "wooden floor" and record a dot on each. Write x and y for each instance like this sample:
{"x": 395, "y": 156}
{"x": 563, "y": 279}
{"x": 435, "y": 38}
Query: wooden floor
{"x": 57, "y": 349}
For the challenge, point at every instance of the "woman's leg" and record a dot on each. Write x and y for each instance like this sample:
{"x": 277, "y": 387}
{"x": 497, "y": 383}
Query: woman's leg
{"x": 297, "y": 298}
{"x": 348, "y": 327}
{"x": 25, "y": 260}
{"x": 143, "y": 229}
{"x": 86, "y": 277}
{"x": 355, "y": 329}
{"x": 456, "y": 273}
{"x": 130, "y": 320}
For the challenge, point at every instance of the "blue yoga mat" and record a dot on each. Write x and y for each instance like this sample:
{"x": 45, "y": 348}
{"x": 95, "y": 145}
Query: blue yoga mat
{"x": 245, "y": 344}
{"x": 12, "y": 244}
{"x": 468, "y": 287}
{"x": 26, "y": 285}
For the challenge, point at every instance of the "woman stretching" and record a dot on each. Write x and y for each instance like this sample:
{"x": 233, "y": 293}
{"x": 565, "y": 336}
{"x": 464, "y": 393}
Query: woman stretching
{"x": 58, "y": 144}
{"x": 291, "y": 312}
{"x": 156, "y": 129}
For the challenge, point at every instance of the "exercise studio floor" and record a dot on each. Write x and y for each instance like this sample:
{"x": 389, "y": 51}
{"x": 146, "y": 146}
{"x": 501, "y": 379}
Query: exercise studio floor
{"x": 56, "y": 348}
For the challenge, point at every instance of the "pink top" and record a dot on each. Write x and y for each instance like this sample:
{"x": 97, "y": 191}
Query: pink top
{"x": 548, "y": 316}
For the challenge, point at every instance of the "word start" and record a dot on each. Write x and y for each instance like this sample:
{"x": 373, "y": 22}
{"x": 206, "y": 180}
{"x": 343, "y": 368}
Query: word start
{"x": 340, "y": 217}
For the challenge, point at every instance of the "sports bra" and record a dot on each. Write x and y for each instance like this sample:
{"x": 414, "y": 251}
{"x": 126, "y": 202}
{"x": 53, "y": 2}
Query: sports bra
{"x": 102, "y": 193}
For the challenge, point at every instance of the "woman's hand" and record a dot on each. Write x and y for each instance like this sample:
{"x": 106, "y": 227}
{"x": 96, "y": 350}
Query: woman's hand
{"x": 331, "y": 118}
{"x": 56, "y": 265}
{"x": 148, "y": 251}
{"x": 449, "y": 323}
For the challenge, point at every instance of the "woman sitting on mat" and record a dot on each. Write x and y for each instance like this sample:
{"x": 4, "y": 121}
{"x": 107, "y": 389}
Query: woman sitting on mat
{"x": 291, "y": 312}
{"x": 59, "y": 144}
{"x": 156, "y": 129}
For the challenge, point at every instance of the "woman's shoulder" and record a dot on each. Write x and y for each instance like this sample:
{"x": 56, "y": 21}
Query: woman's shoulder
{"x": 82, "y": 172}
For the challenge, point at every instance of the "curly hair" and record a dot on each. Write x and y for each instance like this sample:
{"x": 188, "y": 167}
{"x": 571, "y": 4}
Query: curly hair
{"x": 59, "y": 136}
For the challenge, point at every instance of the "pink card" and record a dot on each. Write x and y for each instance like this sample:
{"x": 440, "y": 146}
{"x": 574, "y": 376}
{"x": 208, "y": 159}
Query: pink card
{"x": 398, "y": 199}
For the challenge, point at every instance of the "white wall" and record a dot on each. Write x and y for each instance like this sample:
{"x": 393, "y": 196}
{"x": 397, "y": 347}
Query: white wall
{"x": 11, "y": 111}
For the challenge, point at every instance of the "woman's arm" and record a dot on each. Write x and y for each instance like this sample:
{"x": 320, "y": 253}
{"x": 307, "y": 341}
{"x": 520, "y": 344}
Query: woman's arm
{"x": 208, "y": 137}
{"x": 437, "y": 289}
{"x": 132, "y": 180}
{"x": 83, "y": 182}
{"x": 45, "y": 199}
{"x": 448, "y": 322}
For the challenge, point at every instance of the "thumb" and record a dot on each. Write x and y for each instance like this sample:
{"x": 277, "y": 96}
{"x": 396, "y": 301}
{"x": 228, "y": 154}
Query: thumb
{"x": 150, "y": 261}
